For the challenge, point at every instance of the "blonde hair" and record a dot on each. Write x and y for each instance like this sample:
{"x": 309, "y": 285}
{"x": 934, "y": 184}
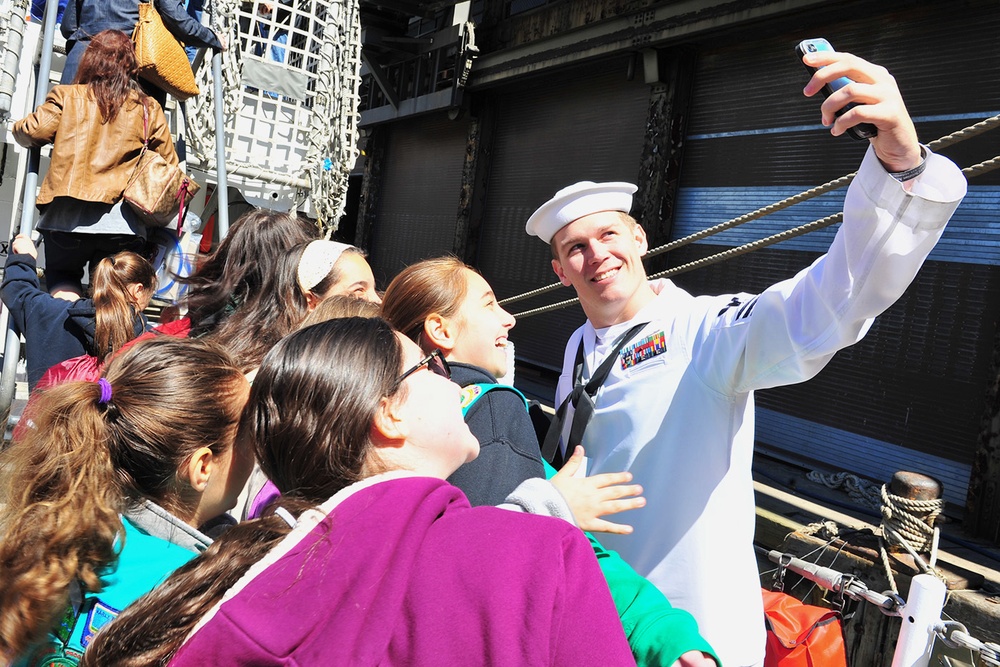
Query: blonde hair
{"x": 115, "y": 309}
{"x": 337, "y": 306}
{"x": 431, "y": 286}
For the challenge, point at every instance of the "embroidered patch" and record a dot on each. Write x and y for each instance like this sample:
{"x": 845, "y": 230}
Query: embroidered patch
{"x": 99, "y": 616}
{"x": 470, "y": 394}
{"x": 647, "y": 348}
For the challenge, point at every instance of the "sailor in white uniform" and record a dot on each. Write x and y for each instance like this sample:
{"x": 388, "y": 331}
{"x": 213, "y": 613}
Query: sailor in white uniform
{"x": 677, "y": 408}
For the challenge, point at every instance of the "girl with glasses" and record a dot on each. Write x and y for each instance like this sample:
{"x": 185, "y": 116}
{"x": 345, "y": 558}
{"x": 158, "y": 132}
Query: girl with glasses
{"x": 389, "y": 564}
{"x": 448, "y": 309}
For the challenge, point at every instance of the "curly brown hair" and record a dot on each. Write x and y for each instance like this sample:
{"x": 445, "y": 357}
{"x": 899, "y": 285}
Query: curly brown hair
{"x": 68, "y": 476}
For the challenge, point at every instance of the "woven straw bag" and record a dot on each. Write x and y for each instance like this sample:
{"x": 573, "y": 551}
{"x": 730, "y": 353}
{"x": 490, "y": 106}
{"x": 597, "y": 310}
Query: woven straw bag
{"x": 158, "y": 190}
{"x": 160, "y": 56}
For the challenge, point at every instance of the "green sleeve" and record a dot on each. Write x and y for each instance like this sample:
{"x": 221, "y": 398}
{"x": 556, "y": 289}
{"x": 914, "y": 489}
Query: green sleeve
{"x": 657, "y": 632}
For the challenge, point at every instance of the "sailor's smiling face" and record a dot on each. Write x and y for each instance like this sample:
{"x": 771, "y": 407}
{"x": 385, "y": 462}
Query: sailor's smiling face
{"x": 600, "y": 256}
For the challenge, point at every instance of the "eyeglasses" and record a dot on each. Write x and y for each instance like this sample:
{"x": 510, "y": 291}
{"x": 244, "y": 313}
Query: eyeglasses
{"x": 435, "y": 363}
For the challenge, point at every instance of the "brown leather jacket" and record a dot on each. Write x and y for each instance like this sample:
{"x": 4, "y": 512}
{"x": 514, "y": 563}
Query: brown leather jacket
{"x": 91, "y": 160}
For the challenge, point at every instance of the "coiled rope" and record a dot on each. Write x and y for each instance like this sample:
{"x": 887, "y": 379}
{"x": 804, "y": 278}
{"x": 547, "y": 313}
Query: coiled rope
{"x": 859, "y": 490}
{"x": 910, "y": 524}
{"x": 905, "y": 522}
{"x": 948, "y": 140}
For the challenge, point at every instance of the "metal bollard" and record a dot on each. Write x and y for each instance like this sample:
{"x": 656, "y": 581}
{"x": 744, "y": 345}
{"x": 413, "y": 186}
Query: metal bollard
{"x": 915, "y": 486}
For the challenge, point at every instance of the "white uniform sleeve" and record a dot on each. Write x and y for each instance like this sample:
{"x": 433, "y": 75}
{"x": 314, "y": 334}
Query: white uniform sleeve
{"x": 793, "y": 328}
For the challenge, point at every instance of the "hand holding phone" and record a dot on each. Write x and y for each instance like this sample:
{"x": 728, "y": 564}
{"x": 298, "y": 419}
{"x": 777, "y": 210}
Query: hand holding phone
{"x": 880, "y": 104}
{"x": 859, "y": 131}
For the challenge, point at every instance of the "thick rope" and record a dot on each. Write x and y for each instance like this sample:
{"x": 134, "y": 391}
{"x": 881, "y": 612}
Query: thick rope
{"x": 828, "y": 530}
{"x": 911, "y": 520}
{"x": 974, "y": 170}
{"x": 965, "y": 133}
{"x": 947, "y": 140}
{"x": 859, "y": 490}
{"x": 909, "y": 524}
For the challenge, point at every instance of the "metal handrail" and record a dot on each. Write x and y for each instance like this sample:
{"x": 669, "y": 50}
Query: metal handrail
{"x": 12, "y": 340}
{"x": 222, "y": 187}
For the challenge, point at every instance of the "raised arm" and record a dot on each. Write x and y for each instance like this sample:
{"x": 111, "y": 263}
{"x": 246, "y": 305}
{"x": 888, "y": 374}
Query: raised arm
{"x": 792, "y": 329}
{"x": 185, "y": 28}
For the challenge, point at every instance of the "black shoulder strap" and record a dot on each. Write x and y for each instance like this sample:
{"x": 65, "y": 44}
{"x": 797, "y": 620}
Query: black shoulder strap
{"x": 582, "y": 400}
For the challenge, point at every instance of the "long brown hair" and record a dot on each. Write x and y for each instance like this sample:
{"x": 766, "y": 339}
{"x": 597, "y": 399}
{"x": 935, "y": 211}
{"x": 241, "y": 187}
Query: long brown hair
{"x": 267, "y": 314}
{"x": 308, "y": 418}
{"x": 115, "y": 309}
{"x": 240, "y": 266}
{"x": 313, "y": 403}
{"x": 108, "y": 67}
{"x": 422, "y": 289}
{"x": 67, "y": 478}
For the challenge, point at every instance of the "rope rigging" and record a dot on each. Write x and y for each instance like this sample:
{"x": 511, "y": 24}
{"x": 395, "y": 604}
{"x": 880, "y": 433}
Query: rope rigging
{"x": 906, "y": 523}
{"x": 950, "y": 633}
{"x": 945, "y": 141}
{"x": 317, "y": 47}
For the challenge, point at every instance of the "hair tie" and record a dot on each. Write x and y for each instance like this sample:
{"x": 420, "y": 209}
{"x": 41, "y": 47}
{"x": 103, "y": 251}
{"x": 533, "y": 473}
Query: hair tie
{"x": 286, "y": 516}
{"x": 105, "y": 391}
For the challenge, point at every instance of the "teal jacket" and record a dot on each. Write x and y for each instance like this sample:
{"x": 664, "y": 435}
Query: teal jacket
{"x": 657, "y": 632}
{"x": 153, "y": 544}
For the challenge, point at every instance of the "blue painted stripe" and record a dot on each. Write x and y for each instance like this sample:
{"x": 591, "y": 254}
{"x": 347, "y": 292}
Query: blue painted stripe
{"x": 867, "y": 457}
{"x": 972, "y": 236}
{"x": 788, "y": 129}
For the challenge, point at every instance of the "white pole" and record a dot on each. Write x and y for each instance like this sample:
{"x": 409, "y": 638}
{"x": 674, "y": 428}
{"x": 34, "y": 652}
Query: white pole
{"x": 921, "y": 613}
{"x": 222, "y": 192}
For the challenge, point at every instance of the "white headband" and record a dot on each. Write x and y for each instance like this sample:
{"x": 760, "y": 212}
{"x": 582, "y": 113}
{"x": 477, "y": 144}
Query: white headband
{"x": 317, "y": 261}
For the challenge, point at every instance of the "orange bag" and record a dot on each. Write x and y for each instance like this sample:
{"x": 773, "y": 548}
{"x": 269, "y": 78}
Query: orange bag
{"x": 802, "y": 635}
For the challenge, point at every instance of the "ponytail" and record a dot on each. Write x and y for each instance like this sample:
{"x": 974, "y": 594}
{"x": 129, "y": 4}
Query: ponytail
{"x": 61, "y": 516}
{"x": 94, "y": 448}
{"x": 151, "y": 629}
{"x": 114, "y": 306}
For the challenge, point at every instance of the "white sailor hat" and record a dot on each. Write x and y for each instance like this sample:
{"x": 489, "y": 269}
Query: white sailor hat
{"x": 317, "y": 261}
{"x": 576, "y": 201}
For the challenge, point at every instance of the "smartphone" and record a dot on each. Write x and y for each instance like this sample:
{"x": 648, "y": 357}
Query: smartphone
{"x": 859, "y": 131}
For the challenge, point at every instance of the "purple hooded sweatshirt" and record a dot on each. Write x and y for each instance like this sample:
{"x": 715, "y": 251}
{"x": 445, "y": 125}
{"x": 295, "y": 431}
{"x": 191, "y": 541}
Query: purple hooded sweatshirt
{"x": 404, "y": 572}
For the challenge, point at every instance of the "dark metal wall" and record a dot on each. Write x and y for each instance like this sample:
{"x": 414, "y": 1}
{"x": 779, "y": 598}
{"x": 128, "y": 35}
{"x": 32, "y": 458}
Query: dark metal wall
{"x": 585, "y": 123}
{"x": 421, "y": 183}
{"x": 918, "y": 379}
